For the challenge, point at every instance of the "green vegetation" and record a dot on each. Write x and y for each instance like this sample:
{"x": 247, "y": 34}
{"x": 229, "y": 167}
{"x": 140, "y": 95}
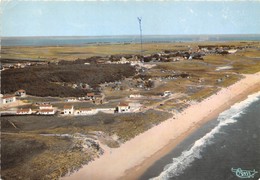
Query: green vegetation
{"x": 56, "y": 80}
{"x": 202, "y": 94}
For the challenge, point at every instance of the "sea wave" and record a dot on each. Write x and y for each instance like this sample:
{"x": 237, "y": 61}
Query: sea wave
{"x": 179, "y": 164}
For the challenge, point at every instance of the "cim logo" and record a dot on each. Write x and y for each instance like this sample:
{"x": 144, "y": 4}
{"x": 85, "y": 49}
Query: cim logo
{"x": 244, "y": 173}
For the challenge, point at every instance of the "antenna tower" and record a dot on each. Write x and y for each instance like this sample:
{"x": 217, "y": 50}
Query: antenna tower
{"x": 141, "y": 38}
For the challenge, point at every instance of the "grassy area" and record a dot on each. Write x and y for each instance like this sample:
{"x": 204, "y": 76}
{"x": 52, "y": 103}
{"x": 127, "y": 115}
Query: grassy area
{"x": 30, "y": 156}
{"x": 202, "y": 94}
{"x": 74, "y": 52}
{"x": 53, "y": 53}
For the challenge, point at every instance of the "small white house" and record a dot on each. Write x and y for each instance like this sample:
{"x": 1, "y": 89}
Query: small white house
{"x": 167, "y": 93}
{"x": 46, "y": 111}
{"x": 232, "y": 51}
{"x": 24, "y": 111}
{"x": 45, "y": 106}
{"x": 135, "y": 96}
{"x": 21, "y": 93}
{"x": 85, "y": 111}
{"x": 90, "y": 96}
{"x": 123, "y": 107}
{"x": 68, "y": 110}
{"x": 72, "y": 99}
{"x": 6, "y": 99}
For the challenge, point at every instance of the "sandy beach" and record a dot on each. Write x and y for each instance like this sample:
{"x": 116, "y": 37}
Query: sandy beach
{"x": 132, "y": 158}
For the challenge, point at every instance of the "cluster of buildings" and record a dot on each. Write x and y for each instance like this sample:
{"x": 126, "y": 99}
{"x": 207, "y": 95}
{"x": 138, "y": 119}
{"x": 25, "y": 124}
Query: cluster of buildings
{"x": 122, "y": 107}
{"x": 96, "y": 98}
{"x": 44, "y": 109}
{"x": 11, "y": 98}
{"x": 48, "y": 109}
{"x": 20, "y": 65}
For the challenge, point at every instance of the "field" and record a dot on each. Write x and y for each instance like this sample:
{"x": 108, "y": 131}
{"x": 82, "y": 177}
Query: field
{"x": 54, "y": 53}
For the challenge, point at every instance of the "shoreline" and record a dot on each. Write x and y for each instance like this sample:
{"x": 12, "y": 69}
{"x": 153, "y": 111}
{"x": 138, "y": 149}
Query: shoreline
{"x": 135, "y": 156}
{"x": 139, "y": 170}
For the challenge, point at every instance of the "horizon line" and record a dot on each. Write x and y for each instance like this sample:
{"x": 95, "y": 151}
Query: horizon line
{"x": 127, "y": 35}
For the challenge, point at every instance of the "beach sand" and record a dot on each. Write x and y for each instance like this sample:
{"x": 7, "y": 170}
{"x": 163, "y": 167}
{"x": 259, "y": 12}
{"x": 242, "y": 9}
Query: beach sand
{"x": 132, "y": 158}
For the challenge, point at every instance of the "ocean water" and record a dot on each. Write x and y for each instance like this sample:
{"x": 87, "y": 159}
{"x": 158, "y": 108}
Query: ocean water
{"x": 84, "y": 40}
{"x": 230, "y": 141}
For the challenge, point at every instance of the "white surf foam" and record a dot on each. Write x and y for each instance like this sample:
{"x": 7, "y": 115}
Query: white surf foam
{"x": 184, "y": 160}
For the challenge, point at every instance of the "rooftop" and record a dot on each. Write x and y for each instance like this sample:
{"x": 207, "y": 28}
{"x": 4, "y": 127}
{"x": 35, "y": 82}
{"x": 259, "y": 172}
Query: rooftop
{"x": 46, "y": 110}
{"x": 21, "y": 90}
{"x": 45, "y": 105}
{"x": 68, "y": 106}
{"x": 23, "y": 110}
{"x": 8, "y": 96}
{"x": 123, "y": 104}
{"x": 90, "y": 94}
{"x": 85, "y": 109}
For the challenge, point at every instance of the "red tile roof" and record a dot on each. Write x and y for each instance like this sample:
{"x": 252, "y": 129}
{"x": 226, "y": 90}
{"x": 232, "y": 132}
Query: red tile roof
{"x": 21, "y": 90}
{"x": 85, "y": 109}
{"x": 8, "y": 96}
{"x": 45, "y": 105}
{"x": 23, "y": 110}
{"x": 46, "y": 110}
{"x": 90, "y": 94}
{"x": 68, "y": 106}
{"x": 123, "y": 104}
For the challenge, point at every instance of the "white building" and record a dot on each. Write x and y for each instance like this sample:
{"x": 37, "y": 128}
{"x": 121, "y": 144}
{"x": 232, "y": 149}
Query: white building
{"x": 6, "y": 99}
{"x": 90, "y": 96}
{"x": 24, "y": 111}
{"x": 135, "y": 96}
{"x": 68, "y": 110}
{"x": 46, "y": 111}
{"x": 167, "y": 93}
{"x": 123, "y": 107}
{"x": 106, "y": 110}
{"x": 85, "y": 111}
{"x": 21, "y": 93}
{"x": 45, "y": 106}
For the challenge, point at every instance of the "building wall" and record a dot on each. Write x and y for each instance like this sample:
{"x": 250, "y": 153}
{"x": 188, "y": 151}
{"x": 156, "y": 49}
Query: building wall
{"x": 47, "y": 113}
{"x": 68, "y": 111}
{"x": 28, "y": 112}
{"x": 78, "y": 112}
{"x": 47, "y": 107}
{"x": 123, "y": 109}
{"x": 9, "y": 100}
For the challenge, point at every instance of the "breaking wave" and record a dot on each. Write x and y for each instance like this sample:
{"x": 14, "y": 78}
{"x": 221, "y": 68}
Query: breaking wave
{"x": 184, "y": 160}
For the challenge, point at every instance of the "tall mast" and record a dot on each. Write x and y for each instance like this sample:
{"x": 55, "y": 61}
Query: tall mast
{"x": 141, "y": 38}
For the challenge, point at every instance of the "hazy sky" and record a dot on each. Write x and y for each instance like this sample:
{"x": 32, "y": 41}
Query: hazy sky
{"x": 90, "y": 18}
